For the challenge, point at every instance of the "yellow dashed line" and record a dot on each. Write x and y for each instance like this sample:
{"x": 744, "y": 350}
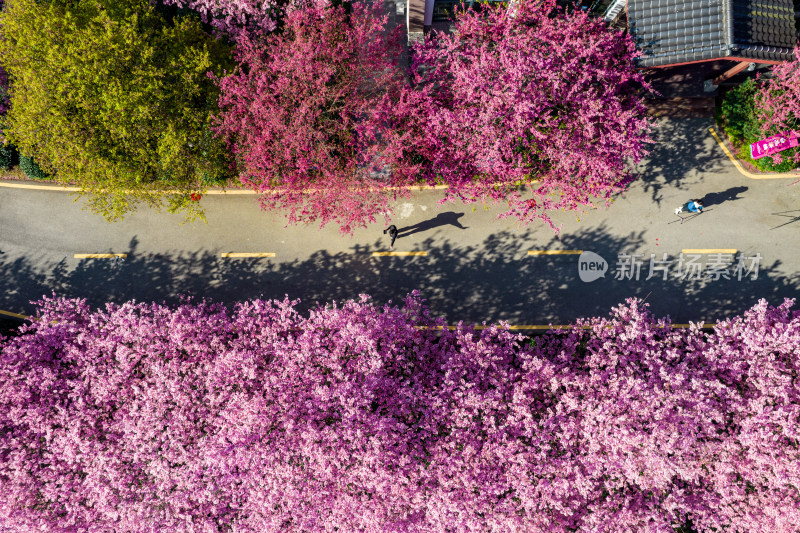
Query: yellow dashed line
{"x": 99, "y": 256}
{"x": 709, "y": 251}
{"x": 397, "y": 254}
{"x": 248, "y": 254}
{"x": 555, "y": 252}
{"x": 15, "y": 315}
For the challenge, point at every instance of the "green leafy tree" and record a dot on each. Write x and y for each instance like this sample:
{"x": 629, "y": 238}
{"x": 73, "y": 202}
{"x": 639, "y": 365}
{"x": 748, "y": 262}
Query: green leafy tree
{"x": 115, "y": 98}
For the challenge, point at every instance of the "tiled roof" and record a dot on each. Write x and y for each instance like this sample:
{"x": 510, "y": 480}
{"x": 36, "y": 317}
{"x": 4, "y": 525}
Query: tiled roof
{"x": 680, "y": 31}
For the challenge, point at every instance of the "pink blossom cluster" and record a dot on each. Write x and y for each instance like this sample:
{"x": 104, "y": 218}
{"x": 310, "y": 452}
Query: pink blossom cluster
{"x": 234, "y": 18}
{"x": 140, "y": 417}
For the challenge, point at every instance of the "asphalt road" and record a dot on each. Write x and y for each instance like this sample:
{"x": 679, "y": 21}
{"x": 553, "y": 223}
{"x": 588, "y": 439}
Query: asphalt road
{"x": 477, "y": 267}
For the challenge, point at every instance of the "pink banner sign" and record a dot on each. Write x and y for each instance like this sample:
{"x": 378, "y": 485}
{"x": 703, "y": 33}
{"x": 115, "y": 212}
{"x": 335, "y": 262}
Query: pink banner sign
{"x": 774, "y": 144}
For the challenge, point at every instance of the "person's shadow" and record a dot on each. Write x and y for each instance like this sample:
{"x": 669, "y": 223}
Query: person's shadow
{"x": 716, "y": 198}
{"x": 442, "y": 219}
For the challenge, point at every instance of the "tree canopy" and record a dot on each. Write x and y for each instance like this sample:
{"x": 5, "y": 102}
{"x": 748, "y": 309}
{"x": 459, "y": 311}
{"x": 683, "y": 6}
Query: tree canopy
{"x": 140, "y": 417}
{"x": 111, "y": 96}
{"x": 323, "y": 122}
{"x": 307, "y": 114}
{"x": 528, "y": 91}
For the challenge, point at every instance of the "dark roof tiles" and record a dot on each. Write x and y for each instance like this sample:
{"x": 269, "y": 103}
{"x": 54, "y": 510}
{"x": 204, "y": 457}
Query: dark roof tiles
{"x": 680, "y": 31}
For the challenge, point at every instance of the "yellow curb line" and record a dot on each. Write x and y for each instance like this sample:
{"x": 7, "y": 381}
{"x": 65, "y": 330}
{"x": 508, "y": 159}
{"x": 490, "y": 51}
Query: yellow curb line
{"x": 397, "y": 254}
{"x": 99, "y": 256}
{"x": 38, "y": 187}
{"x": 66, "y": 188}
{"x": 742, "y": 170}
{"x": 555, "y": 252}
{"x": 248, "y": 254}
{"x": 15, "y": 315}
{"x": 709, "y": 251}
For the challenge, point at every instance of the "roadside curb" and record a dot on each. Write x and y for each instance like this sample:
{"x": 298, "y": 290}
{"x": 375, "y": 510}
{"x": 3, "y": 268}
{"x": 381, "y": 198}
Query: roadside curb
{"x": 14, "y": 315}
{"x": 13, "y": 184}
{"x": 746, "y": 173}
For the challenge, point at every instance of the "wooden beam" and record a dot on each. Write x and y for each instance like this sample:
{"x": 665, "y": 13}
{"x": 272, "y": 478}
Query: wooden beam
{"x": 731, "y": 72}
{"x": 737, "y": 59}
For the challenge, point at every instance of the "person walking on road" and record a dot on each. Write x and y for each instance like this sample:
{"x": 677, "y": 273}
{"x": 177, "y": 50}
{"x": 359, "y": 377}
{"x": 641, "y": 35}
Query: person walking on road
{"x": 392, "y": 231}
{"x": 695, "y": 207}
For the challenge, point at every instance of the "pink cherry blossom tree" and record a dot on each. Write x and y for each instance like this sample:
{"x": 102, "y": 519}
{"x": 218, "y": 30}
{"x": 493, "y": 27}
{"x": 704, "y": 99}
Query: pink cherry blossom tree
{"x": 527, "y": 91}
{"x": 778, "y": 102}
{"x": 234, "y": 18}
{"x": 312, "y": 115}
{"x": 140, "y": 417}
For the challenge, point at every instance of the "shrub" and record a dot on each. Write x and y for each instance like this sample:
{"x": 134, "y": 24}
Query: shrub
{"x": 739, "y": 116}
{"x": 9, "y": 156}
{"x": 738, "y": 113}
{"x": 31, "y": 169}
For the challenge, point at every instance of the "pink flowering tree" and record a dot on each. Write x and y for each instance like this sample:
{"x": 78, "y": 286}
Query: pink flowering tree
{"x": 356, "y": 417}
{"x": 234, "y": 18}
{"x": 308, "y": 115}
{"x": 778, "y": 102}
{"x": 530, "y": 92}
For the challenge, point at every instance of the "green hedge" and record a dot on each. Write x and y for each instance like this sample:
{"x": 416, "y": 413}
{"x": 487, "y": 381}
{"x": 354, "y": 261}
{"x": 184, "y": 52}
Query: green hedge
{"x": 31, "y": 169}
{"x": 738, "y": 117}
{"x": 9, "y": 157}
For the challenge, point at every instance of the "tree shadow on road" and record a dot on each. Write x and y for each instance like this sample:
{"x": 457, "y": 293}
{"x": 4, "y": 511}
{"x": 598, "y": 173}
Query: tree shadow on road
{"x": 793, "y": 216}
{"x": 494, "y": 281}
{"x": 683, "y": 150}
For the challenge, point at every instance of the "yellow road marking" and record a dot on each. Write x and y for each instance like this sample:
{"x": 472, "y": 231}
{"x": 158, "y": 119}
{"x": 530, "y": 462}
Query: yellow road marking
{"x": 709, "y": 251}
{"x": 12, "y": 184}
{"x": 248, "y": 254}
{"x": 555, "y": 252}
{"x": 741, "y": 169}
{"x": 15, "y": 315}
{"x": 397, "y": 254}
{"x": 67, "y": 188}
{"x": 99, "y": 256}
